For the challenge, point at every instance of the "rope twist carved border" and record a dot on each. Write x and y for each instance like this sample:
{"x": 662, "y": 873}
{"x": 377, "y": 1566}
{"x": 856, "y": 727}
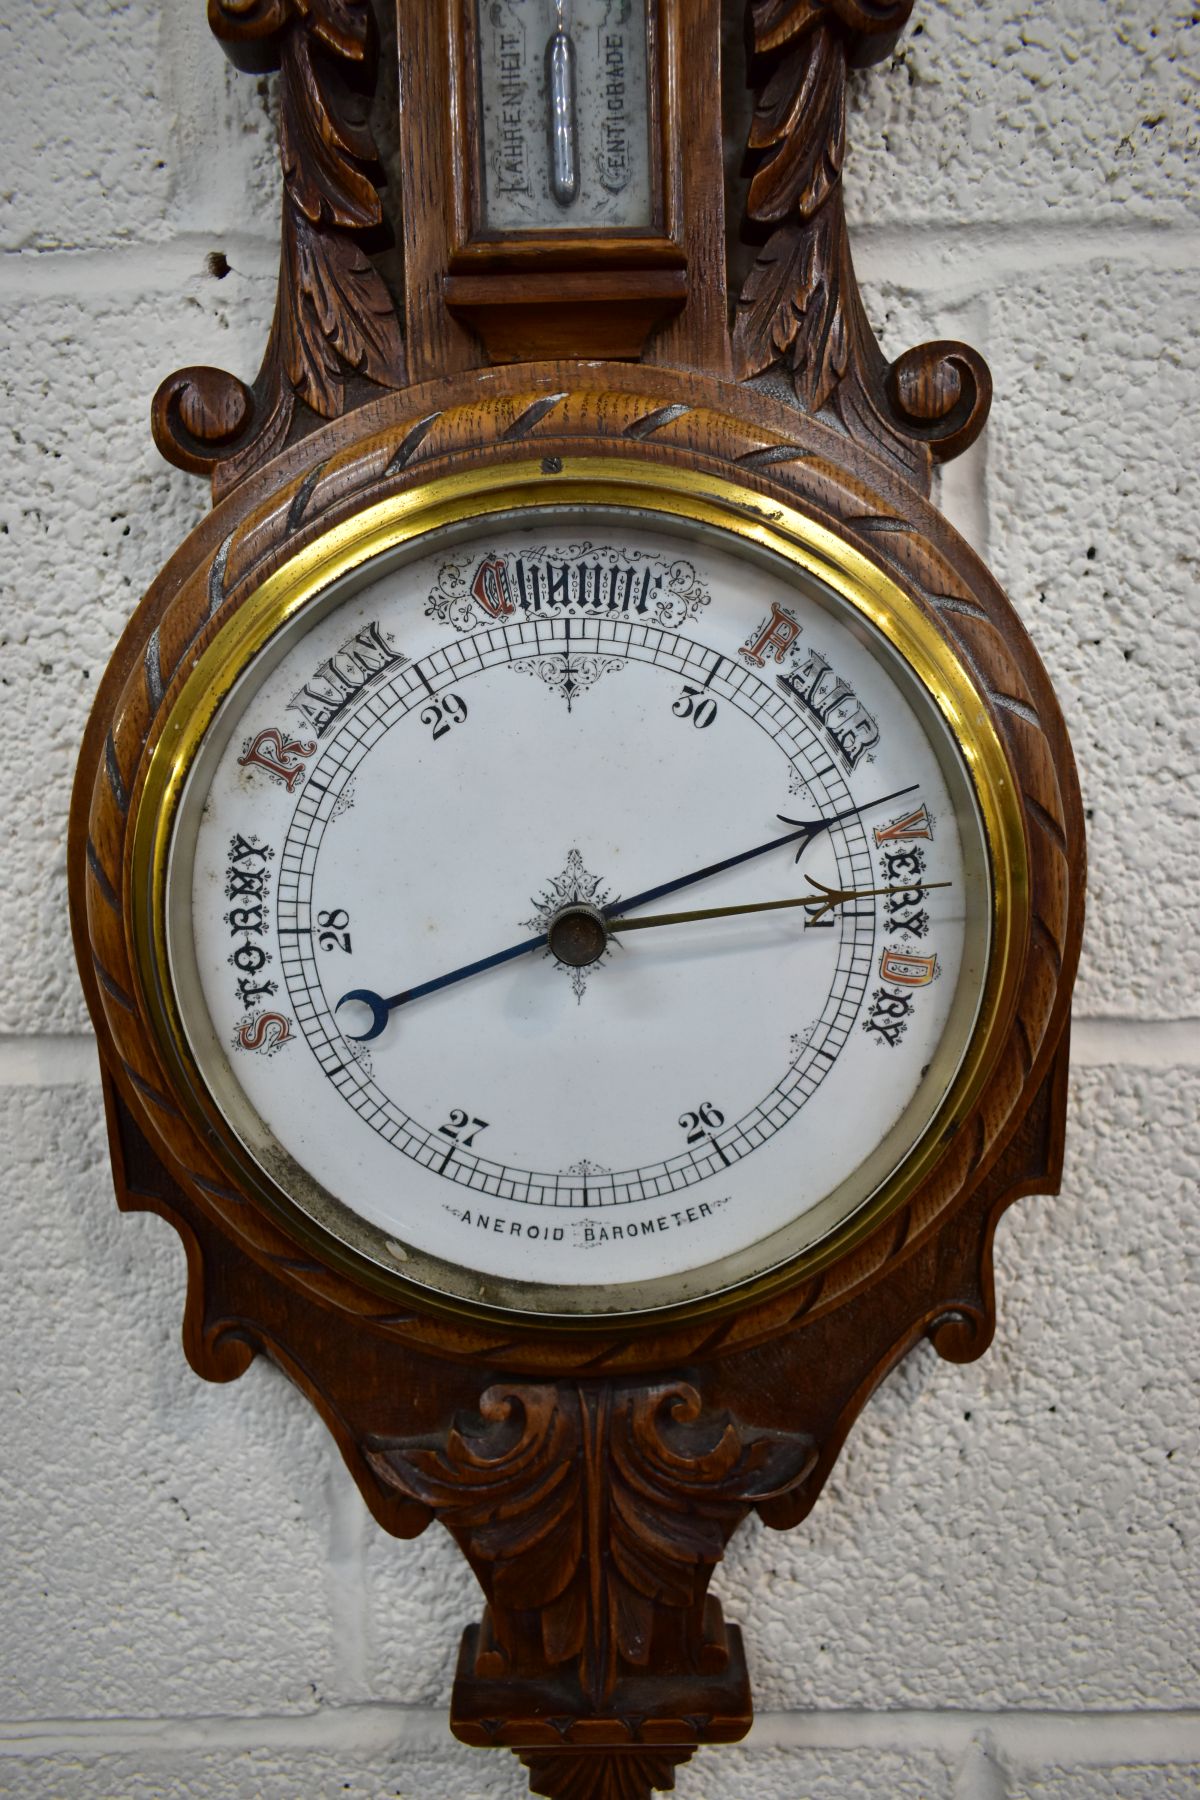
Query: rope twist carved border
{"x": 796, "y": 461}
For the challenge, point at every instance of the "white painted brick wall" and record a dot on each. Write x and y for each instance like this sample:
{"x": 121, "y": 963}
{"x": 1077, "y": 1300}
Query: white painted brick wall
{"x": 996, "y": 1600}
{"x": 998, "y": 112}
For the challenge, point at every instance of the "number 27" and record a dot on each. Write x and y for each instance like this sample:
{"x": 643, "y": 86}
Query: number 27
{"x": 462, "y": 1128}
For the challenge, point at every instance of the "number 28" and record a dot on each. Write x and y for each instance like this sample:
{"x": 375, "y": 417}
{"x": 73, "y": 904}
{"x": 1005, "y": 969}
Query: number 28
{"x": 332, "y": 932}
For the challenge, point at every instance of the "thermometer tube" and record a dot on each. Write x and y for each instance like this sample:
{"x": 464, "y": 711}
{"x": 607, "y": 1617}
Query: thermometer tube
{"x": 561, "y": 117}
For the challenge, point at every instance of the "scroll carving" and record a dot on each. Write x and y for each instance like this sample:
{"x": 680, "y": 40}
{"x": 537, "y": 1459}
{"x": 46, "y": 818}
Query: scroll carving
{"x": 800, "y": 311}
{"x": 549, "y": 1474}
{"x": 593, "y": 1515}
{"x": 335, "y": 333}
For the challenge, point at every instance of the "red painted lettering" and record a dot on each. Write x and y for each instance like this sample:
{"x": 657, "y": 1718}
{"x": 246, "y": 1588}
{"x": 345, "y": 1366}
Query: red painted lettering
{"x": 775, "y": 639}
{"x": 280, "y": 756}
{"x": 912, "y": 825}
{"x": 490, "y": 587}
{"x": 266, "y": 1032}
{"x": 907, "y": 970}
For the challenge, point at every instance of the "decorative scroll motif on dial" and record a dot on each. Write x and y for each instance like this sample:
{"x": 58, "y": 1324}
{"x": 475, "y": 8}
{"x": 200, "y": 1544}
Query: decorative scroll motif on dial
{"x": 569, "y": 676}
{"x": 335, "y": 323}
{"x": 548, "y": 1475}
{"x": 800, "y": 307}
{"x": 575, "y": 885}
{"x": 591, "y": 581}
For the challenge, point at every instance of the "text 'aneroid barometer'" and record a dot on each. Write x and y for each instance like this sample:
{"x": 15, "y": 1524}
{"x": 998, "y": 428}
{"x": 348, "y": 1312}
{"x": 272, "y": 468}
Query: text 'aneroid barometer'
{"x": 577, "y": 868}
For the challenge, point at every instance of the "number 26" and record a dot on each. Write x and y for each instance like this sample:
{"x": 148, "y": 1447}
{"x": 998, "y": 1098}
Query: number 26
{"x": 701, "y": 1123}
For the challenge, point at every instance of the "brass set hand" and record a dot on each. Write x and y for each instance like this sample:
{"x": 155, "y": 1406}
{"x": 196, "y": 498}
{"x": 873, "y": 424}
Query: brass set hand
{"x": 816, "y": 905}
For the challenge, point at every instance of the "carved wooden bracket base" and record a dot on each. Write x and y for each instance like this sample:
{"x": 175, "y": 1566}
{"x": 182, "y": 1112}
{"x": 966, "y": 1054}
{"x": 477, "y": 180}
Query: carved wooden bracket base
{"x": 651, "y": 1724}
{"x": 593, "y": 1514}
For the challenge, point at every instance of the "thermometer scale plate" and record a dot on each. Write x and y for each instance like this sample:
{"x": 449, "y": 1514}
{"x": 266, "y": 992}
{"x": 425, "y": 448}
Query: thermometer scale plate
{"x": 564, "y": 111}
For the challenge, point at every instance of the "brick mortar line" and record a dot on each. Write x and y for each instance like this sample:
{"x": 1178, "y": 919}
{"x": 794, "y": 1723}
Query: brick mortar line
{"x": 1030, "y": 1740}
{"x": 68, "y": 1059}
{"x": 961, "y": 260}
{"x": 122, "y": 271}
{"x": 1135, "y": 1043}
{"x": 1099, "y": 1739}
{"x": 958, "y": 259}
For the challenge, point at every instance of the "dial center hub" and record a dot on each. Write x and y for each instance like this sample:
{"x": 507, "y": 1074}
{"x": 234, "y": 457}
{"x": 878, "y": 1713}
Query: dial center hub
{"x": 577, "y": 935}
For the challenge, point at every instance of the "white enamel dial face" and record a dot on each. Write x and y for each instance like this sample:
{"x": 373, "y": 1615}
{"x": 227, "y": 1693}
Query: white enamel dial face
{"x": 565, "y": 119}
{"x": 632, "y": 717}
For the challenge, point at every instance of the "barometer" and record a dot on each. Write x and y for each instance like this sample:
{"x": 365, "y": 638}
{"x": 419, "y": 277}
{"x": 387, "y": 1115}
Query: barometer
{"x": 577, "y": 869}
{"x": 531, "y": 903}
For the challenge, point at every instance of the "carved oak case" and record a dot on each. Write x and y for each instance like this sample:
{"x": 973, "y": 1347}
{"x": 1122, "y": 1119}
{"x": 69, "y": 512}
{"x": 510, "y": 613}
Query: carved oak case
{"x": 592, "y": 1476}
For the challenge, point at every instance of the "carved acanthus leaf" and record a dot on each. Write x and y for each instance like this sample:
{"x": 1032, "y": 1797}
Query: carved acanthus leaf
{"x": 799, "y": 308}
{"x": 680, "y": 1483}
{"x": 799, "y": 128}
{"x": 335, "y": 315}
{"x": 335, "y": 321}
{"x": 547, "y": 1474}
{"x": 793, "y": 309}
{"x": 778, "y": 21}
{"x": 325, "y": 142}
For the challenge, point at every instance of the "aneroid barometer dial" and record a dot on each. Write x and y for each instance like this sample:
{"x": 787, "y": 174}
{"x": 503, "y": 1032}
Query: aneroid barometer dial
{"x": 578, "y": 909}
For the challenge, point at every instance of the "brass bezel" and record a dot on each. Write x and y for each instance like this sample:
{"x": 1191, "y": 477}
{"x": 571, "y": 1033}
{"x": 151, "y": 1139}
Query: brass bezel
{"x": 703, "y": 500}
